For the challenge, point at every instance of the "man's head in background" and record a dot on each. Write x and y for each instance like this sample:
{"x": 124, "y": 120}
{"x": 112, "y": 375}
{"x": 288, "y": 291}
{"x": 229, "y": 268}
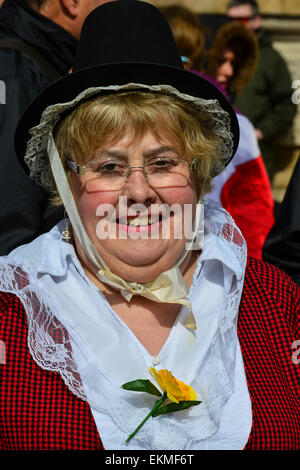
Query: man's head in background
{"x": 69, "y": 14}
{"x": 245, "y": 12}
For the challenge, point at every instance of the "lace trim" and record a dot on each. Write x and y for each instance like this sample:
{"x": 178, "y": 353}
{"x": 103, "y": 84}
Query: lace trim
{"x": 37, "y": 157}
{"x": 48, "y": 340}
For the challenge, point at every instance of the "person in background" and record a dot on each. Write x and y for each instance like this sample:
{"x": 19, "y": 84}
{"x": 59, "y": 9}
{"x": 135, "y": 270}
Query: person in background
{"x": 232, "y": 58}
{"x": 243, "y": 189}
{"x": 188, "y": 33}
{"x": 38, "y": 41}
{"x": 266, "y": 99}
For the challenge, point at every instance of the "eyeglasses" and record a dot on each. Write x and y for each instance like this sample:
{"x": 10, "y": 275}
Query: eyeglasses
{"x": 111, "y": 174}
{"x": 242, "y": 19}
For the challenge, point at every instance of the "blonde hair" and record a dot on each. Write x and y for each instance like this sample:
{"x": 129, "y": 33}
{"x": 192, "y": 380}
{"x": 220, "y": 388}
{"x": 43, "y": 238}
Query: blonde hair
{"x": 103, "y": 120}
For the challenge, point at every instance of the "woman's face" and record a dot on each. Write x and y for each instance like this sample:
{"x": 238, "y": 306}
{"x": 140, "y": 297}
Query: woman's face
{"x": 225, "y": 71}
{"x": 132, "y": 245}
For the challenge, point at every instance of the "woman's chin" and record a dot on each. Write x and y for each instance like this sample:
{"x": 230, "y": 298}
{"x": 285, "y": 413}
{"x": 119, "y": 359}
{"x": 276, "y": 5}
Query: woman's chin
{"x": 139, "y": 259}
{"x": 141, "y": 264}
{"x": 133, "y": 252}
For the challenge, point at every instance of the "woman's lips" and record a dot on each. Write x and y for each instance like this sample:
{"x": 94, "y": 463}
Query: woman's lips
{"x": 140, "y": 224}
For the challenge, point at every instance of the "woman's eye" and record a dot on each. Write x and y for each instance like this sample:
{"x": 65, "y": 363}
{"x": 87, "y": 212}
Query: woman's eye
{"x": 163, "y": 165}
{"x": 109, "y": 167}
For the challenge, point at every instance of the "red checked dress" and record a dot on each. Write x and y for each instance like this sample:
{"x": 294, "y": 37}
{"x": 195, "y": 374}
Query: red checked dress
{"x": 38, "y": 412}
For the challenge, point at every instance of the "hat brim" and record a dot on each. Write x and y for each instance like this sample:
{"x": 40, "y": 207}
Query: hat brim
{"x": 68, "y": 87}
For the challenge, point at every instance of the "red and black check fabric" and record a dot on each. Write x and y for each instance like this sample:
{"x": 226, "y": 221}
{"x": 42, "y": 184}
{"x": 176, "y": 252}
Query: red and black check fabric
{"x": 269, "y": 325}
{"x": 38, "y": 412}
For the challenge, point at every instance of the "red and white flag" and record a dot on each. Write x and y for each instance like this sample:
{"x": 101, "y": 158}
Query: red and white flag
{"x": 244, "y": 190}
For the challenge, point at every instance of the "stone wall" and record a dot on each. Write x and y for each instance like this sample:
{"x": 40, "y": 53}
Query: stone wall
{"x": 277, "y": 7}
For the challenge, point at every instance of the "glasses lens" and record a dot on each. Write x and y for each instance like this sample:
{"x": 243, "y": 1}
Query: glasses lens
{"x": 99, "y": 184}
{"x": 105, "y": 175}
{"x": 167, "y": 173}
{"x": 243, "y": 19}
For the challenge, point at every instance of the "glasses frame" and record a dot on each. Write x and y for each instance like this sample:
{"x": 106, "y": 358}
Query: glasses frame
{"x": 80, "y": 169}
{"x": 242, "y": 19}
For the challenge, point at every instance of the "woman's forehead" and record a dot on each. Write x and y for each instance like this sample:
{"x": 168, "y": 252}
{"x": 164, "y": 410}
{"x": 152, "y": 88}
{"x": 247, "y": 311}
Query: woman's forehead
{"x": 149, "y": 144}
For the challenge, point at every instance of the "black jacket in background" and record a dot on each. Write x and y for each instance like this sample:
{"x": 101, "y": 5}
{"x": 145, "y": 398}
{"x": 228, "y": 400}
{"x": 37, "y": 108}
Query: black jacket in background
{"x": 24, "y": 209}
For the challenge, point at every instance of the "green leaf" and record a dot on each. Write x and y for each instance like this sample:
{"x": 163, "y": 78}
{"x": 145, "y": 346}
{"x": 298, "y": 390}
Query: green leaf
{"x": 141, "y": 385}
{"x": 171, "y": 407}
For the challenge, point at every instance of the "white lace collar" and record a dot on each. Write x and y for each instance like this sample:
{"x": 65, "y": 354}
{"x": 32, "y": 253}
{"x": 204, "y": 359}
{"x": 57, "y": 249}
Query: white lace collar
{"x": 94, "y": 352}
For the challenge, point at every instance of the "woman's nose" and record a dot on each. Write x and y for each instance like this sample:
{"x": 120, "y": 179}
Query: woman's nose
{"x": 228, "y": 69}
{"x": 137, "y": 188}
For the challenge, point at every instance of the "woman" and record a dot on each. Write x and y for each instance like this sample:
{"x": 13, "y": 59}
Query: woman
{"x": 124, "y": 301}
{"x": 232, "y": 57}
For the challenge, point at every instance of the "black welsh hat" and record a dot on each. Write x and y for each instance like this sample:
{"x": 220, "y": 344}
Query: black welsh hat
{"x": 122, "y": 42}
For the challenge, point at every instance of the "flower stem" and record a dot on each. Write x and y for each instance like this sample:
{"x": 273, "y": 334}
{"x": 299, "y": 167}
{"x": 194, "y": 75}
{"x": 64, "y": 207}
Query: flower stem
{"x": 155, "y": 407}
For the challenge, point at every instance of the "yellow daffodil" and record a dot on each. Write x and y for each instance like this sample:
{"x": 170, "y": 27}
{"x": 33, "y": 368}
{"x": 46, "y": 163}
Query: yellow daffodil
{"x": 182, "y": 395}
{"x": 175, "y": 389}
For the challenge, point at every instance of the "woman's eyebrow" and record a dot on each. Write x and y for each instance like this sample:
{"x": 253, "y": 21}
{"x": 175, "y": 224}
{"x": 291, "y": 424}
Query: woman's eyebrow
{"x": 148, "y": 153}
{"x": 159, "y": 150}
{"x": 112, "y": 153}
